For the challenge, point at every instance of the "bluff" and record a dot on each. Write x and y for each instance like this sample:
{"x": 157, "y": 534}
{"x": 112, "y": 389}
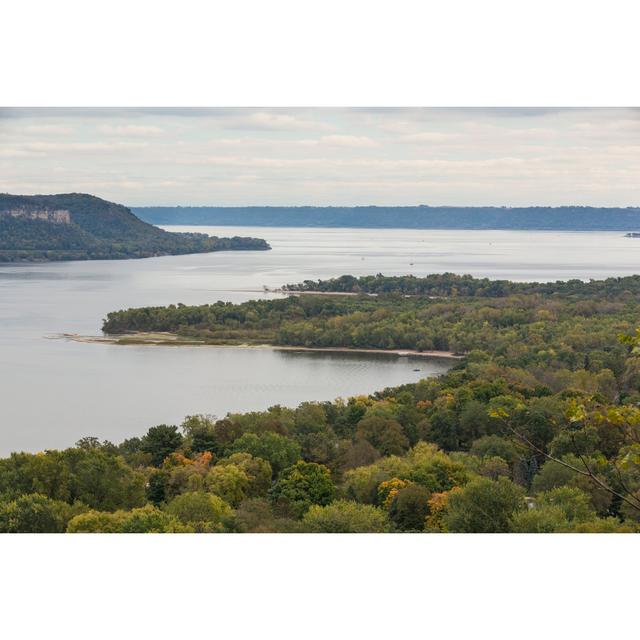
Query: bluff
{"x": 78, "y": 226}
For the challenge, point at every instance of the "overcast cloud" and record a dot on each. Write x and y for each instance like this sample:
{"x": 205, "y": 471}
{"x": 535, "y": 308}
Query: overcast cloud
{"x": 172, "y": 156}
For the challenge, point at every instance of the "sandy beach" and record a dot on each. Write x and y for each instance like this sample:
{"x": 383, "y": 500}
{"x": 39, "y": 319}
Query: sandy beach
{"x": 171, "y": 339}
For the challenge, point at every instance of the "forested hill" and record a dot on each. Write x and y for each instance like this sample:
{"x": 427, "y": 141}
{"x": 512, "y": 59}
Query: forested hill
{"x": 421, "y": 217}
{"x": 78, "y": 226}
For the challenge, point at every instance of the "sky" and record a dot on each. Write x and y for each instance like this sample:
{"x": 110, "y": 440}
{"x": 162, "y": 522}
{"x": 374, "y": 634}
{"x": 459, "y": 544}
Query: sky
{"x": 325, "y": 156}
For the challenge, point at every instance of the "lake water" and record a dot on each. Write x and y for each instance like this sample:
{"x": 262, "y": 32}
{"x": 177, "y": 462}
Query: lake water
{"x": 54, "y": 391}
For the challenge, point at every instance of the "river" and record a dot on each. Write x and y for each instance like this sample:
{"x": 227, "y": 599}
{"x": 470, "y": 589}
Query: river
{"x": 54, "y": 391}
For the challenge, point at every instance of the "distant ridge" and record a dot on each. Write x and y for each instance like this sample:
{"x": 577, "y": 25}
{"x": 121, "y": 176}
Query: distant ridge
{"x": 569, "y": 218}
{"x": 78, "y": 226}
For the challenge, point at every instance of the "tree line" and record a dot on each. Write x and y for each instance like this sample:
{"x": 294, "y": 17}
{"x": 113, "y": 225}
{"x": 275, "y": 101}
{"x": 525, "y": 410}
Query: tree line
{"x": 453, "y": 285}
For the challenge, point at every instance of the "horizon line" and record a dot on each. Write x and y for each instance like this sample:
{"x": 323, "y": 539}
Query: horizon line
{"x": 380, "y": 206}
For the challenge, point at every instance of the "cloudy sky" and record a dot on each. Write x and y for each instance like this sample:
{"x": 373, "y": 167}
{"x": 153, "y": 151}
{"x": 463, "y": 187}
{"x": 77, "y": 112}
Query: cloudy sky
{"x": 254, "y": 156}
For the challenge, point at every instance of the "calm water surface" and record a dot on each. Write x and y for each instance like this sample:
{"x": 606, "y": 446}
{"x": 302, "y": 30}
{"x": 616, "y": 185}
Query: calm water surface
{"x": 54, "y": 391}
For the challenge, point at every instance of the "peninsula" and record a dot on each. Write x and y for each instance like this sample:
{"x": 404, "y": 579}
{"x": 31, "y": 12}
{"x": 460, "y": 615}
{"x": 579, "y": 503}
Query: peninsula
{"x": 78, "y": 226}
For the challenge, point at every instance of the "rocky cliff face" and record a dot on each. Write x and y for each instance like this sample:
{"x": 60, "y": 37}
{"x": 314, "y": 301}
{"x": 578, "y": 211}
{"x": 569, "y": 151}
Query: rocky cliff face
{"x": 57, "y": 216}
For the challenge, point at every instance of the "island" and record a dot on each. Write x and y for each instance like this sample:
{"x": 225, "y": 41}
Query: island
{"x": 443, "y": 314}
{"x": 79, "y": 226}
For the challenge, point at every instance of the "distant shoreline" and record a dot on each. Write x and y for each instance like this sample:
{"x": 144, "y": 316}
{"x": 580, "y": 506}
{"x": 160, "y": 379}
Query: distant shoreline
{"x": 483, "y": 218}
{"x": 171, "y": 339}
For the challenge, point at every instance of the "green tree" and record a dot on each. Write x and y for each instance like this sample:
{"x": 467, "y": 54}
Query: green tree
{"x": 473, "y": 421}
{"x": 484, "y": 506}
{"x": 300, "y": 486}
{"x": 602, "y": 525}
{"x": 356, "y": 454}
{"x": 103, "y": 481}
{"x": 96, "y": 522}
{"x": 574, "y": 503}
{"x": 344, "y": 516}
{"x": 200, "y": 433}
{"x": 562, "y": 509}
{"x": 442, "y": 427}
{"x": 229, "y": 482}
{"x": 131, "y": 450}
{"x": 384, "y": 434}
{"x": 258, "y": 472}
{"x": 310, "y": 417}
{"x": 35, "y": 513}
{"x": 410, "y": 507}
{"x": 319, "y": 446}
{"x": 184, "y": 478}
{"x": 493, "y": 468}
{"x": 361, "y": 484}
{"x": 147, "y": 519}
{"x": 203, "y": 511}
{"x": 547, "y": 519}
{"x": 492, "y": 446}
{"x": 553, "y": 474}
{"x": 156, "y": 488}
{"x": 435, "y": 470}
{"x": 99, "y": 479}
{"x": 281, "y": 452}
{"x": 255, "y": 515}
{"x": 161, "y": 441}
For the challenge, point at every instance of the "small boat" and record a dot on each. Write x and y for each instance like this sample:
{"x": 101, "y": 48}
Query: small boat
{"x": 416, "y": 369}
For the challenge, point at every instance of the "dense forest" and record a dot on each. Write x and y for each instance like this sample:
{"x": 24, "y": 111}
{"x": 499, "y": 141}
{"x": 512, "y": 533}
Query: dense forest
{"x": 452, "y": 285}
{"x": 458, "y": 313}
{"x": 537, "y": 429}
{"x": 82, "y": 227}
{"x": 420, "y": 217}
